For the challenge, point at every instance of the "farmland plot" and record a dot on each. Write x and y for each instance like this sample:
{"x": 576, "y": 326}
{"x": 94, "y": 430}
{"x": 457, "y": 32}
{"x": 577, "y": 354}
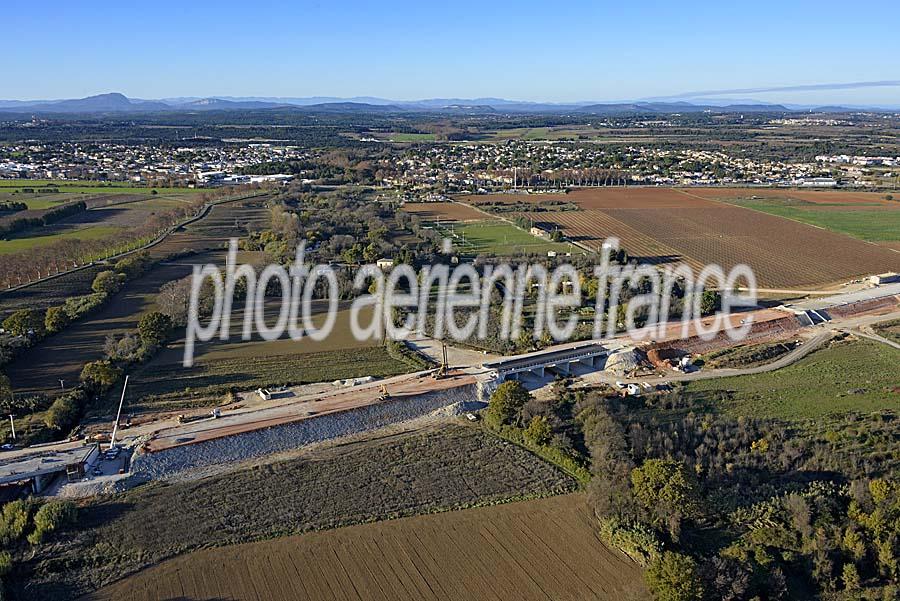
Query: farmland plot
{"x": 825, "y": 197}
{"x": 443, "y": 211}
{"x": 437, "y": 469}
{"x": 533, "y": 550}
{"x": 667, "y": 225}
{"x": 49, "y": 292}
{"x": 62, "y": 355}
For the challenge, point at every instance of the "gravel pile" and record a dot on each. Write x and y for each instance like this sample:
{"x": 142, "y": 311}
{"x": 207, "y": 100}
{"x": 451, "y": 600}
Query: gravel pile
{"x": 250, "y": 445}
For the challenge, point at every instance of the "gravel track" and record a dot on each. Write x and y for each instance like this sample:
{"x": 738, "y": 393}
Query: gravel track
{"x": 166, "y": 464}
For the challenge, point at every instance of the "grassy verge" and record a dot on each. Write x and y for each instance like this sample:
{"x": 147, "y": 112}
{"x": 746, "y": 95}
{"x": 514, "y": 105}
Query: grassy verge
{"x": 889, "y": 330}
{"x": 745, "y": 356}
{"x": 851, "y": 375}
{"x": 28, "y": 242}
{"x": 172, "y": 385}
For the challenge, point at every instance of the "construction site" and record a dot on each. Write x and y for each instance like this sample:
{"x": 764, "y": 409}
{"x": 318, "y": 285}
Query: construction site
{"x": 269, "y": 421}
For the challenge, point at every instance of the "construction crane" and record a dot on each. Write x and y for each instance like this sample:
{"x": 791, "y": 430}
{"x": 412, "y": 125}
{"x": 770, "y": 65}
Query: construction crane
{"x": 444, "y": 367}
{"x": 112, "y": 439}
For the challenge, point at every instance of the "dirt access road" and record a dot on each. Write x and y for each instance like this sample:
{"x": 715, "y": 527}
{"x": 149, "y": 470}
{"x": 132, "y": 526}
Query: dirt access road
{"x": 293, "y": 408}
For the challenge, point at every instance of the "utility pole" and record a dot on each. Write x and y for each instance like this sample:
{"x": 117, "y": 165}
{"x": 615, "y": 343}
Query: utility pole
{"x": 12, "y": 426}
{"x": 112, "y": 439}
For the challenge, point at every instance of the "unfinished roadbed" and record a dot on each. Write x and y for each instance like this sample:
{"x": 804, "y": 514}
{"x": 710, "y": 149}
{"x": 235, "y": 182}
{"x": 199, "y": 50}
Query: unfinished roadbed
{"x": 290, "y": 425}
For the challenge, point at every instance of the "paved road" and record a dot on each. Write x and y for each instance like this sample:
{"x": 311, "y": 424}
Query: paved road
{"x": 790, "y": 358}
{"x": 875, "y": 337}
{"x": 827, "y": 332}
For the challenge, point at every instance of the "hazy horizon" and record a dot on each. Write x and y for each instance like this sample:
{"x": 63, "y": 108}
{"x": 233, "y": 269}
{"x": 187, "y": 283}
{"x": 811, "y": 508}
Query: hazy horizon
{"x": 570, "y": 52}
{"x": 813, "y": 96}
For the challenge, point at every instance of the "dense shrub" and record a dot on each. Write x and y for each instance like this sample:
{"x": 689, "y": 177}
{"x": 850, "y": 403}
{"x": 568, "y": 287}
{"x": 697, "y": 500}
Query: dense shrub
{"x": 100, "y": 376}
{"x": 82, "y": 305}
{"x": 51, "y": 517}
{"x": 636, "y": 540}
{"x": 55, "y": 319}
{"x": 154, "y": 327}
{"x": 506, "y": 403}
{"x": 674, "y": 577}
{"x": 6, "y": 564}
{"x": 134, "y": 265}
{"x": 64, "y": 413}
{"x": 13, "y": 206}
{"x": 13, "y": 522}
{"x": 24, "y": 322}
{"x": 538, "y": 431}
{"x": 108, "y": 282}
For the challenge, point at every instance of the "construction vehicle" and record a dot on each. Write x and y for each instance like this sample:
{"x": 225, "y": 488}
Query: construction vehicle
{"x": 441, "y": 371}
{"x": 384, "y": 393}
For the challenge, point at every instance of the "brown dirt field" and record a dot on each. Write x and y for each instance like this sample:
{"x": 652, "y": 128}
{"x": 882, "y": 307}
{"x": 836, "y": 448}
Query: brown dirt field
{"x": 661, "y": 225}
{"x": 532, "y": 550}
{"x": 448, "y": 211}
{"x": 781, "y": 252}
{"x": 592, "y": 227}
{"x": 768, "y": 326}
{"x": 604, "y": 198}
{"x": 638, "y": 198}
{"x": 480, "y": 199}
{"x": 814, "y": 196}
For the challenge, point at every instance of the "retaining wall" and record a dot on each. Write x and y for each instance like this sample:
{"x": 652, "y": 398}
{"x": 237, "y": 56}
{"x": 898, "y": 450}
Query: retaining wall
{"x": 286, "y": 437}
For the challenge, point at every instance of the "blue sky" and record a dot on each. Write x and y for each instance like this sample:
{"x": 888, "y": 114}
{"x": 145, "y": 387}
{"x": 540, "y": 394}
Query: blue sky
{"x": 550, "y": 51}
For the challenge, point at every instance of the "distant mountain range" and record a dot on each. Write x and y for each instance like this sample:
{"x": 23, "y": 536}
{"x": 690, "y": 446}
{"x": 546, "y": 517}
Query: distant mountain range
{"x": 119, "y": 103}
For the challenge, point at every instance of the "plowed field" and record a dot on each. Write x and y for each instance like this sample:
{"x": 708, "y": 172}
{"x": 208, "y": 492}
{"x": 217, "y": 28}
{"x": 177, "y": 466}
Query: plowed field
{"x": 660, "y": 225}
{"x": 533, "y": 550}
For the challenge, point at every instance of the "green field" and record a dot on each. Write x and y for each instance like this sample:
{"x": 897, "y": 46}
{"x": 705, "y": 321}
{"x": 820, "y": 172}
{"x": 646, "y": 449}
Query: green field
{"x": 859, "y": 375}
{"x": 870, "y": 225}
{"x": 566, "y": 132}
{"x": 404, "y": 137}
{"x": 245, "y": 364}
{"x": 500, "y": 238}
{"x": 99, "y": 222}
{"x": 37, "y": 201}
{"x": 84, "y": 187}
{"x": 88, "y": 233}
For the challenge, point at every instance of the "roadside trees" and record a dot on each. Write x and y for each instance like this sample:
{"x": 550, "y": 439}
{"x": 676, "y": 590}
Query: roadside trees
{"x": 506, "y": 403}
{"x": 24, "y": 322}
